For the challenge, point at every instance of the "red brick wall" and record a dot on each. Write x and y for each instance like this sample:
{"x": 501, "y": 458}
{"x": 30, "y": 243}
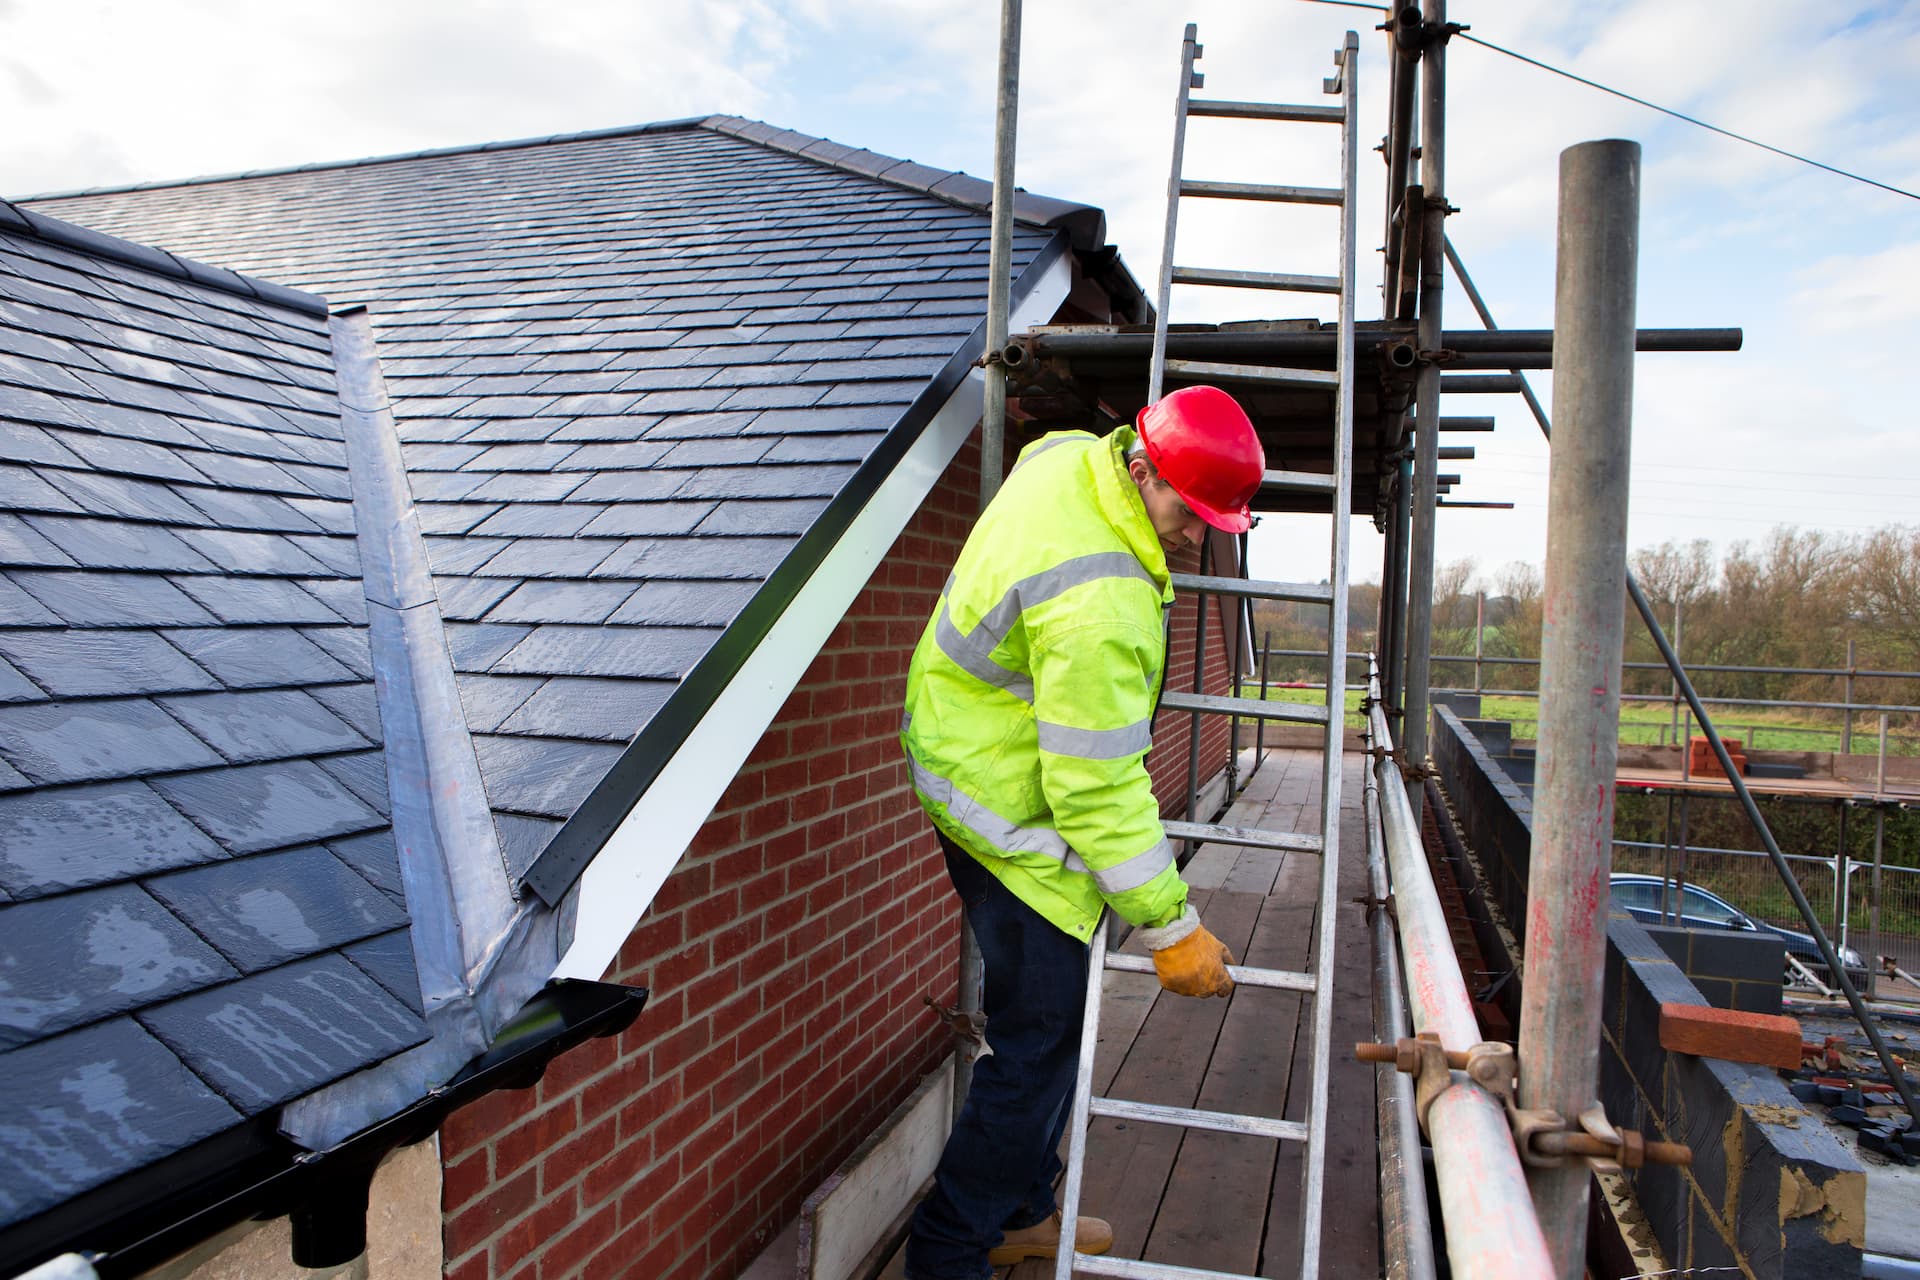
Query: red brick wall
{"x": 787, "y": 953}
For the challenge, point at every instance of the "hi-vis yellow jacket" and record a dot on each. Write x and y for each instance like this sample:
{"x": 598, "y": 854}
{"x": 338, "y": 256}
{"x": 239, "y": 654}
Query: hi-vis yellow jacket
{"x": 1031, "y": 693}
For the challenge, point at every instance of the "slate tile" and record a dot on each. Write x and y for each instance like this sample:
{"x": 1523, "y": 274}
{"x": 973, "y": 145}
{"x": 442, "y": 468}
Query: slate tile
{"x": 604, "y": 710}
{"x": 523, "y": 839}
{"x": 99, "y": 494}
{"x": 453, "y": 517}
{"x": 438, "y": 457}
{"x": 267, "y": 724}
{"x": 232, "y": 551}
{"x": 617, "y": 455}
{"x": 548, "y": 558}
{"x": 340, "y": 555}
{"x": 18, "y": 609}
{"x": 548, "y": 777}
{"x": 27, "y": 405}
{"x": 388, "y": 960}
{"x": 660, "y": 653}
{"x": 476, "y": 646}
{"x": 90, "y": 741}
{"x": 250, "y": 808}
{"x": 258, "y": 657}
{"x": 274, "y": 907}
{"x": 22, "y": 489}
{"x": 538, "y": 519}
{"x": 117, "y": 544}
{"x": 527, "y": 486}
{"x": 20, "y": 545}
{"x": 15, "y": 687}
{"x": 649, "y": 519}
{"x": 236, "y": 471}
{"x": 629, "y": 486}
{"x": 276, "y": 1035}
{"x": 467, "y": 599}
{"x": 77, "y": 836}
{"x": 96, "y": 1104}
{"x": 490, "y": 699}
{"x": 22, "y": 443}
{"x": 679, "y": 558}
{"x": 346, "y": 645}
{"x": 356, "y": 704}
{"x": 561, "y": 601}
{"x": 85, "y": 664}
{"x": 328, "y": 481}
{"x": 717, "y": 452}
{"x": 795, "y": 516}
{"x": 250, "y": 442}
{"x": 896, "y": 394}
{"x": 460, "y": 556}
{"x": 365, "y": 774}
{"x": 132, "y": 457}
{"x": 270, "y": 600}
{"x": 800, "y": 480}
{"x": 79, "y": 957}
{"x": 236, "y": 509}
{"x": 442, "y": 486}
{"x": 102, "y": 600}
{"x": 835, "y": 418}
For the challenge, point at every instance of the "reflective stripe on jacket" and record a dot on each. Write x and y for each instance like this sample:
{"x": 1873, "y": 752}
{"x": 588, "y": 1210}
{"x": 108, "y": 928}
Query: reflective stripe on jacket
{"x": 1031, "y": 693}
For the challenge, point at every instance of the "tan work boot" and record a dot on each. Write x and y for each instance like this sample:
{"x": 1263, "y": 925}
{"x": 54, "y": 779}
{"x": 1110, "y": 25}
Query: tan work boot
{"x": 1042, "y": 1240}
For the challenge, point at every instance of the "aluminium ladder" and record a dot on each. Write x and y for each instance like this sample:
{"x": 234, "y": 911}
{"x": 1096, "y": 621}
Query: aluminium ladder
{"x": 1337, "y": 489}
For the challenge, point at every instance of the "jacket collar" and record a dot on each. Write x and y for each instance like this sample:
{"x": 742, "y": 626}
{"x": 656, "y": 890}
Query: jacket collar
{"x": 1119, "y": 500}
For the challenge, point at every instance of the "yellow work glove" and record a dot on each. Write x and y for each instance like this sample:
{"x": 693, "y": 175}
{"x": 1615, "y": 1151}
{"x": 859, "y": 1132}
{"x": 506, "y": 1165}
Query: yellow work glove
{"x": 1188, "y": 958}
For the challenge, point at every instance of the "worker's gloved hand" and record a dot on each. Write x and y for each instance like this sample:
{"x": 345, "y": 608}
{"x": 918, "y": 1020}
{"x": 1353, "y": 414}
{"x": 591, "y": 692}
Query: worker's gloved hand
{"x": 1188, "y": 958}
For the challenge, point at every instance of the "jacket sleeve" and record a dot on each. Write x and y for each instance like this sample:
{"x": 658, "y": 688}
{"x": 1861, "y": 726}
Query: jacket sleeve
{"x": 1093, "y": 683}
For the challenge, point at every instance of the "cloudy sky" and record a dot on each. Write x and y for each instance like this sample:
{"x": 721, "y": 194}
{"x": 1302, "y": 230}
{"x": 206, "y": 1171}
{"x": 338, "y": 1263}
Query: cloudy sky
{"x": 1810, "y": 424}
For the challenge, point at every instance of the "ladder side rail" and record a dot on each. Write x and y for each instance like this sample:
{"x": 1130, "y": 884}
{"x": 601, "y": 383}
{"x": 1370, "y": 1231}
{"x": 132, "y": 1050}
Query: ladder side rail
{"x": 1157, "y": 371}
{"x": 1313, "y": 1171}
{"x": 1082, "y": 1093}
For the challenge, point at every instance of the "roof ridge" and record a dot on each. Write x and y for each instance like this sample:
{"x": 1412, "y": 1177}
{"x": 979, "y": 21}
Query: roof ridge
{"x": 71, "y": 235}
{"x": 1085, "y": 224}
{"x": 617, "y": 131}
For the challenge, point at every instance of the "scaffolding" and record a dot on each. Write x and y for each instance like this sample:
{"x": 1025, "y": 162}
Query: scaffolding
{"x": 1512, "y": 1204}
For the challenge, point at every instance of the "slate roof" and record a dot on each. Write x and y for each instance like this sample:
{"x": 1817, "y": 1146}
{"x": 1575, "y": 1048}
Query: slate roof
{"x": 632, "y": 371}
{"x": 200, "y": 906}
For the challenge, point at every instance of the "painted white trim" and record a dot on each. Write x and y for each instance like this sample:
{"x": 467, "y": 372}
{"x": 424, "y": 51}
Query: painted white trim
{"x": 620, "y": 882}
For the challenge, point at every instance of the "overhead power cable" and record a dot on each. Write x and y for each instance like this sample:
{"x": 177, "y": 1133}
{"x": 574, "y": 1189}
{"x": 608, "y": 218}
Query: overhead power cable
{"x": 1681, "y": 115}
{"x": 1651, "y": 106}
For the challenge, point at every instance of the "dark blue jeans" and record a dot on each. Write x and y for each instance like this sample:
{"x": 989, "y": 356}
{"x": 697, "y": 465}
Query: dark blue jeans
{"x": 997, "y": 1171}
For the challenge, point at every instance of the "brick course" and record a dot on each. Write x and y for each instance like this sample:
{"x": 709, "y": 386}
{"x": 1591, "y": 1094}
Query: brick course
{"x": 787, "y": 954}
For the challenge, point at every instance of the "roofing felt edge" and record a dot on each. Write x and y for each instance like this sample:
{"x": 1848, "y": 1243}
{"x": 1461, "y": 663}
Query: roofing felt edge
{"x": 1086, "y": 224}
{"x": 70, "y": 235}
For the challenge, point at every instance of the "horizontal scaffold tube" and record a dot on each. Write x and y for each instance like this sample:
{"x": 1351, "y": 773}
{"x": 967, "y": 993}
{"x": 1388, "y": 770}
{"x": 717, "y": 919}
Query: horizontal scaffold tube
{"x": 1249, "y": 344}
{"x": 1490, "y": 1224}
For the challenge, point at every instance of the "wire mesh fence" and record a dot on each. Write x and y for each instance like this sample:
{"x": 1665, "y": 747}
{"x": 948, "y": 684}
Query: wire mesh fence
{"x": 1746, "y": 880}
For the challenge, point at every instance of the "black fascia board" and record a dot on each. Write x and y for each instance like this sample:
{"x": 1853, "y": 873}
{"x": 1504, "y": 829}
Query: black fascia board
{"x": 593, "y": 823}
{"x": 134, "y": 1223}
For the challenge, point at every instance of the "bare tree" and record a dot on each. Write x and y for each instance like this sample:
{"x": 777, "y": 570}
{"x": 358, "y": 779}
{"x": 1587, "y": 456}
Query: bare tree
{"x": 1884, "y": 592}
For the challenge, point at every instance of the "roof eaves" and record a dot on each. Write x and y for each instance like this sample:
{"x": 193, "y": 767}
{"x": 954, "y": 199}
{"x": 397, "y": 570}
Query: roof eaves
{"x": 98, "y": 244}
{"x": 1085, "y": 225}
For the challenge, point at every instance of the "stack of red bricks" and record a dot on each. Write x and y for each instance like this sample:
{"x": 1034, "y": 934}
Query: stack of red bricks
{"x": 1702, "y": 762}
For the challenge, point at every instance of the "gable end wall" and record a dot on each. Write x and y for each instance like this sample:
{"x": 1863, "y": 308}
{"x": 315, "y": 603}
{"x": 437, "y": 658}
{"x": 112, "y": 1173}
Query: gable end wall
{"x": 787, "y": 954}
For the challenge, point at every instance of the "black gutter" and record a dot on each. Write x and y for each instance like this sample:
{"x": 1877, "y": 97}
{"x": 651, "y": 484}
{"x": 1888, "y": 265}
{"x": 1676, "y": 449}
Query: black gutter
{"x": 136, "y": 1222}
{"x": 594, "y": 822}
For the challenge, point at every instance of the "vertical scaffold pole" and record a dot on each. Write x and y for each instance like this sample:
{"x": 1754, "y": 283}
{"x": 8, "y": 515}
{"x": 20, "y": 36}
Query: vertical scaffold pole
{"x": 993, "y": 412}
{"x": 1580, "y": 669}
{"x": 1433, "y": 155}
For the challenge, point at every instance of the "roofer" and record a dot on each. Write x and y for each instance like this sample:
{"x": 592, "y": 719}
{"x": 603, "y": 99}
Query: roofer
{"x": 1030, "y": 700}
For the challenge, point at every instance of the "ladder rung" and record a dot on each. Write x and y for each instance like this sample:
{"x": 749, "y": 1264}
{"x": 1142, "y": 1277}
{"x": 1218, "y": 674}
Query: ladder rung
{"x": 1193, "y": 1118}
{"x": 1273, "y": 979}
{"x": 1245, "y": 708}
{"x": 1256, "y": 280}
{"x": 1299, "y": 592}
{"x": 1315, "y": 378}
{"x": 1245, "y": 837}
{"x": 1265, "y": 111}
{"x": 1086, "y": 1264}
{"x": 1296, "y": 482}
{"x": 1262, "y": 191}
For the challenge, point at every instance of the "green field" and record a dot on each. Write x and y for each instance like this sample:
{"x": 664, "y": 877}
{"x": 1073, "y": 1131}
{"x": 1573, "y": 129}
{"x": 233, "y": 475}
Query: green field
{"x": 1651, "y": 724}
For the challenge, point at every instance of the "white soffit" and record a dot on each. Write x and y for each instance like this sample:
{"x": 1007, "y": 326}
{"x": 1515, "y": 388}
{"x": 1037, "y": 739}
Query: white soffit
{"x": 620, "y": 882}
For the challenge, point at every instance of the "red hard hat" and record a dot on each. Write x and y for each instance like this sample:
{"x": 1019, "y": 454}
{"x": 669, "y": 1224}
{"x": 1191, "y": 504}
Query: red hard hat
{"x": 1202, "y": 443}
